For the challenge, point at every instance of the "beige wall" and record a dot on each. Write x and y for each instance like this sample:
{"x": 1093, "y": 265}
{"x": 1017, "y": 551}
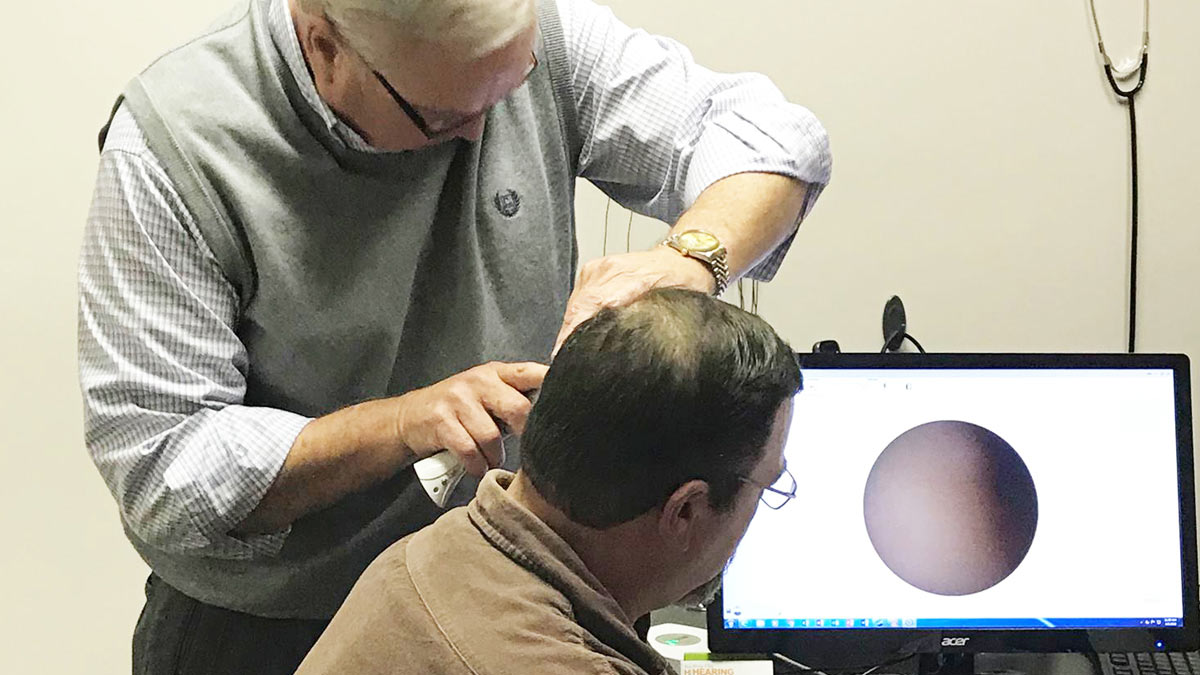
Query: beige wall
{"x": 980, "y": 172}
{"x": 69, "y": 583}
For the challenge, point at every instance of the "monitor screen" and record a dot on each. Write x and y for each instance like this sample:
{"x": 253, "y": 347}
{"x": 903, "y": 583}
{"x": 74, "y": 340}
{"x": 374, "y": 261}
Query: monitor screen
{"x": 993, "y": 496}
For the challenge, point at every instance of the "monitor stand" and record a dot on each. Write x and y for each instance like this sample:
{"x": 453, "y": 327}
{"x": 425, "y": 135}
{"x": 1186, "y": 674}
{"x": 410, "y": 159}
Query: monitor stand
{"x": 954, "y": 663}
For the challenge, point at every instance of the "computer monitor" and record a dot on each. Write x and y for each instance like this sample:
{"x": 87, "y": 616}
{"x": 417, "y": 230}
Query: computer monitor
{"x": 962, "y": 503}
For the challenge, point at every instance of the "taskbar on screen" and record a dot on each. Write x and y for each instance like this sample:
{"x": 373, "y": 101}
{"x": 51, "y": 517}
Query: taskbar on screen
{"x": 739, "y": 623}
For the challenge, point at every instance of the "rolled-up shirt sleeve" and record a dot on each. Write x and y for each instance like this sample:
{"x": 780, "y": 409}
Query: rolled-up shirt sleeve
{"x": 656, "y": 129}
{"x": 162, "y": 371}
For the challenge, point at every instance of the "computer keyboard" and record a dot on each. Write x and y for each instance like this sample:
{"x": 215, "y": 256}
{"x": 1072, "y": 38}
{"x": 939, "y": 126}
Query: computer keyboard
{"x": 1150, "y": 663}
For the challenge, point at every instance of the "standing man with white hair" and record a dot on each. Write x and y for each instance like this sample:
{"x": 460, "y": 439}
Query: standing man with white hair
{"x": 315, "y": 221}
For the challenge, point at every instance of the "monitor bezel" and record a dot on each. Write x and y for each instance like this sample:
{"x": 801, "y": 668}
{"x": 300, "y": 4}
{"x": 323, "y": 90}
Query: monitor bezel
{"x": 829, "y": 647}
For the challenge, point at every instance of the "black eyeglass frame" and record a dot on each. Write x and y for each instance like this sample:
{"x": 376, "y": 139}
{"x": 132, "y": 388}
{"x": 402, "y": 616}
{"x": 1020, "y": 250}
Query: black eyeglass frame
{"x": 788, "y": 495}
{"x": 419, "y": 121}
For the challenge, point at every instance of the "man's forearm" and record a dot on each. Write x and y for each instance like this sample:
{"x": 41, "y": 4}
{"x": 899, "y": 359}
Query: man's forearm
{"x": 334, "y": 456}
{"x": 751, "y": 213}
{"x": 363, "y": 445}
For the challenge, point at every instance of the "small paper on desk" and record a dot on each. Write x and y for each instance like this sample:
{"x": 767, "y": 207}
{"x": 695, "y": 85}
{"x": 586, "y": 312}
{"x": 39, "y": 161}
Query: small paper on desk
{"x": 693, "y": 666}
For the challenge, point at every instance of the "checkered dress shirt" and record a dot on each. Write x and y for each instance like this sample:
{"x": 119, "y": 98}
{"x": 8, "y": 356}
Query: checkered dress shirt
{"x": 162, "y": 370}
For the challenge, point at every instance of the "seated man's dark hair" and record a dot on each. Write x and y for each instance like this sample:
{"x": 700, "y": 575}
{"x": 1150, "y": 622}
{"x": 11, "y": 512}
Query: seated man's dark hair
{"x": 643, "y": 398}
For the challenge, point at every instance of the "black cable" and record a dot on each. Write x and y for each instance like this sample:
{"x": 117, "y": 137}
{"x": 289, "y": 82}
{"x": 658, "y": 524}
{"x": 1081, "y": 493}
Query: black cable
{"x": 903, "y": 337}
{"x": 915, "y": 343}
{"x": 841, "y": 670}
{"x": 1129, "y": 96}
{"x": 1133, "y": 234}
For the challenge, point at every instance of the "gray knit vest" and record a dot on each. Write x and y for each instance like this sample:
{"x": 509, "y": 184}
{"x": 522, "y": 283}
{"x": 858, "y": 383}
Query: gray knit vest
{"x": 361, "y": 275}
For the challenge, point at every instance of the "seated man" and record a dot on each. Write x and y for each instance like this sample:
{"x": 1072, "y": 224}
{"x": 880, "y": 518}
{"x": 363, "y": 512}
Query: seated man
{"x": 658, "y": 427}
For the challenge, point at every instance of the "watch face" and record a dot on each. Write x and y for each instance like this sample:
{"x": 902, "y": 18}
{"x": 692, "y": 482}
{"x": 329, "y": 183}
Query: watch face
{"x": 698, "y": 241}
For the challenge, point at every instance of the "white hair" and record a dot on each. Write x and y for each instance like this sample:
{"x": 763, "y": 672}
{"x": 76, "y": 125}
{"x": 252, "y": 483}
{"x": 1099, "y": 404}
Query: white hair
{"x": 474, "y": 27}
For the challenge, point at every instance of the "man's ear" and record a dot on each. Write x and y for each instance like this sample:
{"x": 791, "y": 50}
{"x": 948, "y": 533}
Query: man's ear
{"x": 683, "y": 521}
{"x": 322, "y": 46}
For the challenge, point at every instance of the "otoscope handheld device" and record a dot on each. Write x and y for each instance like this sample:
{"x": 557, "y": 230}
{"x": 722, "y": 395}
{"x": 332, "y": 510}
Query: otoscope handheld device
{"x": 441, "y": 473}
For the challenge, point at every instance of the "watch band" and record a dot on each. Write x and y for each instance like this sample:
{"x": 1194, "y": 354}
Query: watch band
{"x": 720, "y": 272}
{"x": 714, "y": 260}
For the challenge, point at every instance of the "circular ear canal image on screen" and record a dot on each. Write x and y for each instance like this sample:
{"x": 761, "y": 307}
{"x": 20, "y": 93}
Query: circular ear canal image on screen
{"x": 950, "y": 508}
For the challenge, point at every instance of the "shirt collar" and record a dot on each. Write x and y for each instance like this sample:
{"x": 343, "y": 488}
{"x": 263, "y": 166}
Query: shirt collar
{"x": 531, "y": 543}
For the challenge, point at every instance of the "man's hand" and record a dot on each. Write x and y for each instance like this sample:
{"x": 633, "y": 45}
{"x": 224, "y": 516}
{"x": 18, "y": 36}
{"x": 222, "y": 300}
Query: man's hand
{"x": 750, "y": 213}
{"x": 460, "y": 413}
{"x": 619, "y": 279}
{"x": 357, "y": 447}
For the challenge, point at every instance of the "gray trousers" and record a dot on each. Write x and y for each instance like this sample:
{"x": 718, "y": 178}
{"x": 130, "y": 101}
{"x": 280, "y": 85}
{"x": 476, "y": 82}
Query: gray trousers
{"x": 177, "y": 635}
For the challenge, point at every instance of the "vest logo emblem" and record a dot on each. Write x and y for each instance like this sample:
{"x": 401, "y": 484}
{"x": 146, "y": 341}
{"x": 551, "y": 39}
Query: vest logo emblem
{"x": 508, "y": 203}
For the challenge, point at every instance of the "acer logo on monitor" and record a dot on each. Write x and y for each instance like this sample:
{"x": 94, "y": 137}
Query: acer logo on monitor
{"x": 955, "y": 641}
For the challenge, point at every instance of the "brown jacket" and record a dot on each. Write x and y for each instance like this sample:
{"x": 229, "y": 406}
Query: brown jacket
{"x": 487, "y": 589}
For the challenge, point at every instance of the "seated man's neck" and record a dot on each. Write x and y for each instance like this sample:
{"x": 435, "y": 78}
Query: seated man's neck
{"x": 621, "y": 557}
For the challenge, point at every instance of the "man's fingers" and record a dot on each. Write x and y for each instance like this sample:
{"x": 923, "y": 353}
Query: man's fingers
{"x": 608, "y": 285}
{"x": 579, "y": 309}
{"x": 455, "y": 438}
{"x": 563, "y": 334}
{"x": 523, "y": 377}
{"x": 510, "y": 408}
{"x": 485, "y": 437}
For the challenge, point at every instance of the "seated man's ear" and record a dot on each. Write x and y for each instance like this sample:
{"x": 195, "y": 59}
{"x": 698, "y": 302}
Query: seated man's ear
{"x": 686, "y": 517}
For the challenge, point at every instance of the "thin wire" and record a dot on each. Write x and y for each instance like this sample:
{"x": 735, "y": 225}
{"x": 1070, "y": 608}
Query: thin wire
{"x": 1096, "y": 24}
{"x": 629, "y": 233}
{"x": 797, "y": 664}
{"x": 606, "y": 208}
{"x": 1145, "y": 36}
{"x": 741, "y": 294}
{"x": 754, "y": 297}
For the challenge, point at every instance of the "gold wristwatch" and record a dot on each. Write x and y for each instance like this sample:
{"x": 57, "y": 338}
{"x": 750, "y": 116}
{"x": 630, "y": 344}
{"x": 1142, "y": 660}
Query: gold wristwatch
{"x": 706, "y": 248}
